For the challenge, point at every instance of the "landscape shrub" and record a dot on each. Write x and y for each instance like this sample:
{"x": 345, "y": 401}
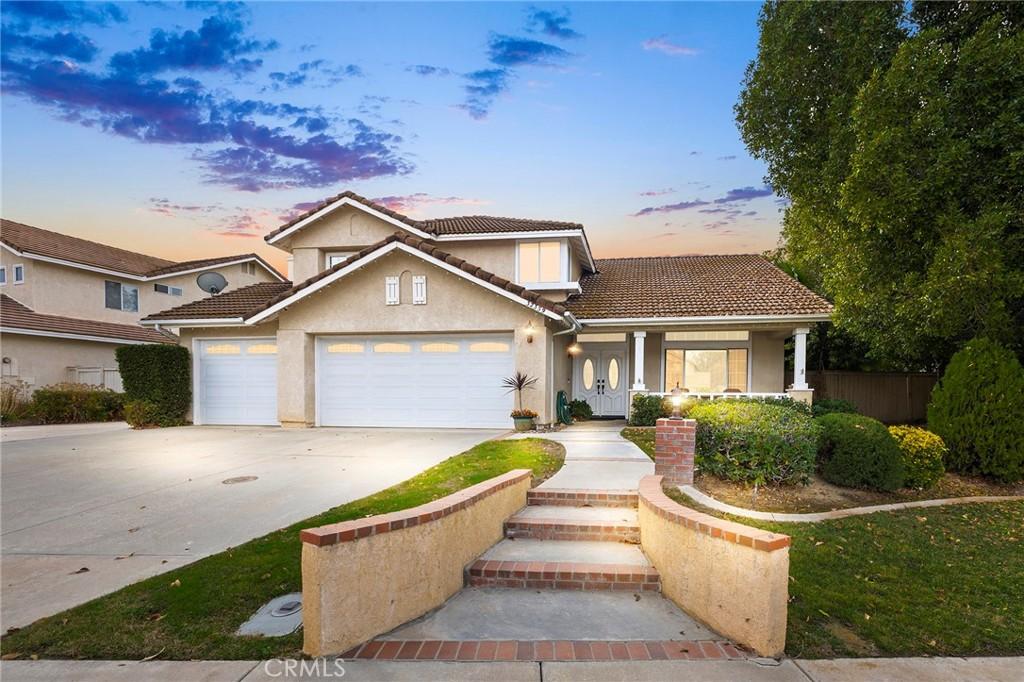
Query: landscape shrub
{"x": 787, "y": 402}
{"x": 581, "y": 410}
{"x": 923, "y": 455}
{"x": 14, "y": 402}
{"x": 69, "y": 403}
{"x": 159, "y": 374}
{"x": 141, "y": 414}
{"x": 857, "y": 452}
{"x": 832, "y": 406}
{"x": 754, "y": 441}
{"x": 647, "y": 409}
{"x": 977, "y": 408}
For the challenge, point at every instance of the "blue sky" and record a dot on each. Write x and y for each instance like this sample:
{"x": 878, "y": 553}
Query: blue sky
{"x": 188, "y": 130}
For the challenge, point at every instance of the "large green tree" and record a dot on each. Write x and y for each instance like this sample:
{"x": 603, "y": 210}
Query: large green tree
{"x": 899, "y": 140}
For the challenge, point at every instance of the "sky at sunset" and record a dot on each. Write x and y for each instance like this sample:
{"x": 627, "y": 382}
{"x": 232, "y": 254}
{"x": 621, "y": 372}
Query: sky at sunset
{"x": 191, "y": 130}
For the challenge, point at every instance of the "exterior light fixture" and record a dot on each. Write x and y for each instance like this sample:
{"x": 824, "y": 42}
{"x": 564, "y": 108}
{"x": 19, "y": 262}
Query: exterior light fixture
{"x": 529, "y": 332}
{"x": 575, "y": 349}
{"x": 677, "y": 400}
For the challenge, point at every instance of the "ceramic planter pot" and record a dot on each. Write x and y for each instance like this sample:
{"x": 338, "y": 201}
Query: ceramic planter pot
{"x": 523, "y": 423}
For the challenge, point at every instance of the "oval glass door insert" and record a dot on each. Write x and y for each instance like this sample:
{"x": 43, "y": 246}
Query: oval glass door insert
{"x": 588, "y": 374}
{"x": 613, "y": 373}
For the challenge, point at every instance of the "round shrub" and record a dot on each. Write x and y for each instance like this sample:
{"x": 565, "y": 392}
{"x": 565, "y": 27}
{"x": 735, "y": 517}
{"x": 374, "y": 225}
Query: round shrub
{"x": 977, "y": 408}
{"x": 141, "y": 414}
{"x": 754, "y": 442}
{"x": 858, "y": 452}
{"x": 923, "y": 455}
{"x": 833, "y": 406}
{"x": 647, "y": 409}
{"x": 581, "y": 410}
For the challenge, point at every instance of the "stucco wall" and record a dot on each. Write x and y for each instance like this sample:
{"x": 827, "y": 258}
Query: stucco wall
{"x": 345, "y": 229}
{"x": 40, "y": 361}
{"x": 363, "y": 578}
{"x": 71, "y": 292}
{"x": 733, "y": 577}
{"x": 768, "y": 358}
{"x": 355, "y": 305}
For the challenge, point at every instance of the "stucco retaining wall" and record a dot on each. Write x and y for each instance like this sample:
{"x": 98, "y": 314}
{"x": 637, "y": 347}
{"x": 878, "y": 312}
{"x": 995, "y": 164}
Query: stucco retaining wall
{"x": 365, "y": 577}
{"x": 734, "y": 578}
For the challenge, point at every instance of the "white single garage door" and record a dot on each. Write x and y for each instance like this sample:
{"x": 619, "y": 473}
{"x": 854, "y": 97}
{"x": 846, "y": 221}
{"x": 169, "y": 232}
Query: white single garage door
{"x": 425, "y": 381}
{"x": 238, "y": 381}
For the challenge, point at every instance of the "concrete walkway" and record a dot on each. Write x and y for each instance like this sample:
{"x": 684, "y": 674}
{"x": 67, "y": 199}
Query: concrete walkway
{"x": 596, "y": 457}
{"x": 752, "y": 670}
{"x": 13, "y": 434}
{"x": 708, "y": 501}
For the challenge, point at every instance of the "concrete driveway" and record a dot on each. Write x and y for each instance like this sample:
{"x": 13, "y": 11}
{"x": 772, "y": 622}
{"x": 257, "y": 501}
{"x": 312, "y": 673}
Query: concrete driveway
{"x": 127, "y": 505}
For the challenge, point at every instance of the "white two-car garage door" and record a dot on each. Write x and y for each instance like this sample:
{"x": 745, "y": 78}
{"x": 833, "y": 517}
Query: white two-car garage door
{"x": 237, "y": 381}
{"x": 427, "y": 381}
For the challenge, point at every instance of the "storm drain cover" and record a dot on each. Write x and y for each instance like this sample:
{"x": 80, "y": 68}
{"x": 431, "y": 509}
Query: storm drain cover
{"x": 278, "y": 617}
{"x": 239, "y": 479}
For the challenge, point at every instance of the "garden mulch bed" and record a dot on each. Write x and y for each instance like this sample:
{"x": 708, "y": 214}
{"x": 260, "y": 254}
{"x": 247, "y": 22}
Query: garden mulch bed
{"x": 821, "y": 496}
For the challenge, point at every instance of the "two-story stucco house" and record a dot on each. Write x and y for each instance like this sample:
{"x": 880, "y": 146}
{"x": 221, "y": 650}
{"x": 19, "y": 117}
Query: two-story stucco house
{"x": 67, "y": 303}
{"x": 399, "y": 322}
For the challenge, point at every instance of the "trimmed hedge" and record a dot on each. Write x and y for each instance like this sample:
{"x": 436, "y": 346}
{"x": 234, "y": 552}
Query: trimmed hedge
{"x": 160, "y": 374}
{"x": 71, "y": 403}
{"x": 977, "y": 408}
{"x": 858, "y": 452}
{"x": 923, "y": 454}
{"x": 832, "y": 406}
{"x": 647, "y": 409}
{"x": 754, "y": 441}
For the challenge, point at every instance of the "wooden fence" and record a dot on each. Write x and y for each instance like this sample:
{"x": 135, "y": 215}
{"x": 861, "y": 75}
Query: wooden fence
{"x": 891, "y": 397}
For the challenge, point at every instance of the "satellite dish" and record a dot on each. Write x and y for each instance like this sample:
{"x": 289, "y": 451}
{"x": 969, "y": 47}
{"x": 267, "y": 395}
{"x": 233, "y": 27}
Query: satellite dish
{"x": 211, "y": 282}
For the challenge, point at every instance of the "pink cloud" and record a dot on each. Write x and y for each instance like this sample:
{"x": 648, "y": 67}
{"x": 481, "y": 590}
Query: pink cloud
{"x": 664, "y": 45}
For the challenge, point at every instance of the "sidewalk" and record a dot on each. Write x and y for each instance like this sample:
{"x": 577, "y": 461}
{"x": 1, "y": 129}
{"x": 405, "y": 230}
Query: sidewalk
{"x": 759, "y": 670}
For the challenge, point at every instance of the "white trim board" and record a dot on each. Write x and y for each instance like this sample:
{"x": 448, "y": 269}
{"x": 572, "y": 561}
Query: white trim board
{"x": 75, "y": 337}
{"x": 384, "y": 250}
{"x": 201, "y": 322}
{"x": 348, "y": 201}
{"x": 713, "y": 319}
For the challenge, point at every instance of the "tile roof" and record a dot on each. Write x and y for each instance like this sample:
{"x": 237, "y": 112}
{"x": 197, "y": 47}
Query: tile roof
{"x": 37, "y": 241}
{"x": 14, "y": 315}
{"x": 470, "y": 224}
{"x": 474, "y": 224}
{"x": 234, "y": 303}
{"x": 691, "y": 286}
{"x": 431, "y": 250}
{"x": 254, "y": 299}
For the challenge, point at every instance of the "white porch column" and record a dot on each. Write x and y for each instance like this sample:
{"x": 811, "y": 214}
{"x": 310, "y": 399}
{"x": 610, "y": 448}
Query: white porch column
{"x": 638, "y": 361}
{"x": 800, "y": 358}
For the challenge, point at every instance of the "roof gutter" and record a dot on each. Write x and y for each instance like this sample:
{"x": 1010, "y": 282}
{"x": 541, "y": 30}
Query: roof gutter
{"x": 574, "y": 325}
{"x": 709, "y": 319}
{"x": 201, "y": 322}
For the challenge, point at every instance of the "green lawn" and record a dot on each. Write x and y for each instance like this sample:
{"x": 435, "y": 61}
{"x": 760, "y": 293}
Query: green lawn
{"x": 193, "y": 612}
{"x": 943, "y": 581}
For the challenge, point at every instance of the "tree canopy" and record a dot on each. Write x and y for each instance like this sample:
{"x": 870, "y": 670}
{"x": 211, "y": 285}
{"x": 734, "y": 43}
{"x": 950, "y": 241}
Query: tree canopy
{"x": 898, "y": 138}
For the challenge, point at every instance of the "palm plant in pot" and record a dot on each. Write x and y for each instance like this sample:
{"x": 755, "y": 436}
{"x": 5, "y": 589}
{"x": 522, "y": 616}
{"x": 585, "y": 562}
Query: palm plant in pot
{"x": 519, "y": 382}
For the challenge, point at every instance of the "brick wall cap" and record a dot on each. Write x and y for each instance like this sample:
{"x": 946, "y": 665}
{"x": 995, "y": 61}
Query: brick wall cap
{"x": 654, "y": 497}
{"x": 349, "y": 531}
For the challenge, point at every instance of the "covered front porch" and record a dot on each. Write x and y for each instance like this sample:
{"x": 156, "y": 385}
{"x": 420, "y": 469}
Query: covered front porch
{"x": 610, "y": 365}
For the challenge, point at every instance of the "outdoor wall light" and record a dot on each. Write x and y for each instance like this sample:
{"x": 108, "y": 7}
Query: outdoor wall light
{"x": 575, "y": 349}
{"x": 529, "y": 332}
{"x": 677, "y": 400}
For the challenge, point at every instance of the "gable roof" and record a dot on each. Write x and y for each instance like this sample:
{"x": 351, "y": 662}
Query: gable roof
{"x": 458, "y": 225}
{"x": 252, "y": 302}
{"x": 35, "y": 241}
{"x": 235, "y": 303}
{"x": 18, "y": 318}
{"x": 692, "y": 286}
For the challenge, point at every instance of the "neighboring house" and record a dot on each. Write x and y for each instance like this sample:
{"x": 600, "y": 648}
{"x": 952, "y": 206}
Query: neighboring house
{"x": 68, "y": 303}
{"x": 402, "y": 322}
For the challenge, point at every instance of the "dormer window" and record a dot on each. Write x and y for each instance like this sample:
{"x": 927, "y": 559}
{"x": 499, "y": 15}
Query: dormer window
{"x": 335, "y": 257}
{"x": 542, "y": 262}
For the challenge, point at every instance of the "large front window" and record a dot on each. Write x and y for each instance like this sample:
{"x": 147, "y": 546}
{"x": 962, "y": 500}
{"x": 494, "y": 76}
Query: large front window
{"x": 706, "y": 371}
{"x": 540, "y": 262}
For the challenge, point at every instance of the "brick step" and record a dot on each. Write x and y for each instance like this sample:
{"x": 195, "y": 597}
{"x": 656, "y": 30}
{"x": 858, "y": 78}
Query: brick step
{"x": 563, "y": 575}
{"x": 553, "y": 522}
{"x": 544, "y": 650}
{"x": 565, "y": 497}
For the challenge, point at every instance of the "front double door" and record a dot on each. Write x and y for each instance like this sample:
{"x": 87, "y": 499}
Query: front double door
{"x": 600, "y": 379}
